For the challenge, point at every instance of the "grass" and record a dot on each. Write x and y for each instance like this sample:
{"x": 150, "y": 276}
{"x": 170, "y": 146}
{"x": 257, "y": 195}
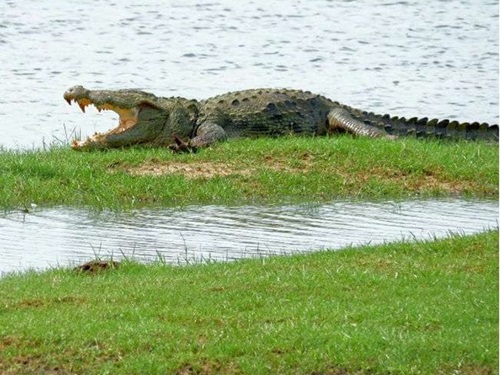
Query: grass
{"x": 408, "y": 308}
{"x": 289, "y": 169}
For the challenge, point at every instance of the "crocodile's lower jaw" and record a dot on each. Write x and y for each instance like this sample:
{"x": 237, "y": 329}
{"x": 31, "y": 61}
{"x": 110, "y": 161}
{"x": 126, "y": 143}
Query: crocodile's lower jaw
{"x": 77, "y": 145}
{"x": 90, "y": 143}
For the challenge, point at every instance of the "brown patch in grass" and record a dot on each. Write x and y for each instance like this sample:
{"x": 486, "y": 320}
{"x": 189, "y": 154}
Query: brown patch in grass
{"x": 95, "y": 266}
{"x": 470, "y": 369}
{"x": 188, "y": 170}
{"x": 206, "y": 169}
{"x": 208, "y": 368}
{"x": 302, "y": 163}
{"x": 8, "y": 341}
{"x": 335, "y": 371}
{"x": 430, "y": 180}
{"x": 60, "y": 363}
{"x": 426, "y": 181}
{"x": 42, "y": 303}
{"x": 32, "y": 303}
{"x": 433, "y": 183}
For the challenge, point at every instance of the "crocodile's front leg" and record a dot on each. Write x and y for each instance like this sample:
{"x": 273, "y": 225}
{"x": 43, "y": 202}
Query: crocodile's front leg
{"x": 206, "y": 134}
{"x": 341, "y": 118}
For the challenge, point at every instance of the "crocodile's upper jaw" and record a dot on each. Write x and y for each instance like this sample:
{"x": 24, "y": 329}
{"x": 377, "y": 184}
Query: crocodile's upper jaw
{"x": 127, "y": 117}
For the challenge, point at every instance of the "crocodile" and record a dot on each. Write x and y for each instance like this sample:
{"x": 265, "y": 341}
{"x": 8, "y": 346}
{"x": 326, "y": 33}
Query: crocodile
{"x": 187, "y": 124}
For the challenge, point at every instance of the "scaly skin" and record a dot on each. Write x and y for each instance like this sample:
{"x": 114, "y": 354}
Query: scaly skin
{"x": 183, "y": 124}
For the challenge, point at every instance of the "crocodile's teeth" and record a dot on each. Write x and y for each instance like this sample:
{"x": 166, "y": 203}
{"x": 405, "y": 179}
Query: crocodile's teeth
{"x": 68, "y": 101}
{"x": 82, "y": 107}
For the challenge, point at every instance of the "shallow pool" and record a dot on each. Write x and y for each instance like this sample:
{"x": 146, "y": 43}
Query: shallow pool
{"x": 62, "y": 236}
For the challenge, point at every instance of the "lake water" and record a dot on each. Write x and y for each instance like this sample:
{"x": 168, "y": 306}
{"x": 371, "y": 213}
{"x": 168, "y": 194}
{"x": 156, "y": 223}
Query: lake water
{"x": 62, "y": 236}
{"x": 408, "y": 58}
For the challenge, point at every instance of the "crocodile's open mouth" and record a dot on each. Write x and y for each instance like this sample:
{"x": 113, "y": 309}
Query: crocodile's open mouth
{"x": 127, "y": 117}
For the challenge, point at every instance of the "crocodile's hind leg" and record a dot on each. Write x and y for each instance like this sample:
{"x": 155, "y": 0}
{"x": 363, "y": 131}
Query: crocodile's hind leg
{"x": 208, "y": 133}
{"x": 341, "y": 118}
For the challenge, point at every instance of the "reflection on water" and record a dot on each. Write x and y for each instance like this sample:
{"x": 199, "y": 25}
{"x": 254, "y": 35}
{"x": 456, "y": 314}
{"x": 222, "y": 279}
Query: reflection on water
{"x": 402, "y": 57}
{"x": 61, "y": 236}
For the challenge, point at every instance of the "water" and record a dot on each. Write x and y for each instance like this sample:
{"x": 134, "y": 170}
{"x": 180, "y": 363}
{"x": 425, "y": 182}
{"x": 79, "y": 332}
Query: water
{"x": 402, "y": 57}
{"x": 63, "y": 236}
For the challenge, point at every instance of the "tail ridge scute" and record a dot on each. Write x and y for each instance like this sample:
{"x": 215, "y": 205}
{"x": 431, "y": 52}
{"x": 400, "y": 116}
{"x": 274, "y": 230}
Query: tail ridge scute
{"x": 443, "y": 129}
{"x": 423, "y": 127}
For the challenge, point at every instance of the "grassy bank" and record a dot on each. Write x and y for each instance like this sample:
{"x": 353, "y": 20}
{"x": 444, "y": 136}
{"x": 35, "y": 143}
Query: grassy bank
{"x": 244, "y": 171}
{"x": 426, "y": 308}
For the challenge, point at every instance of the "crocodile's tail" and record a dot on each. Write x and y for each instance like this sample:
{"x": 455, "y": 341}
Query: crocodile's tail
{"x": 423, "y": 127}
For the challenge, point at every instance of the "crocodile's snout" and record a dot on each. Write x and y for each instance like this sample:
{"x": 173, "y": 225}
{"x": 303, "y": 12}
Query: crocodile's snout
{"x": 74, "y": 93}
{"x": 68, "y": 95}
{"x": 77, "y": 94}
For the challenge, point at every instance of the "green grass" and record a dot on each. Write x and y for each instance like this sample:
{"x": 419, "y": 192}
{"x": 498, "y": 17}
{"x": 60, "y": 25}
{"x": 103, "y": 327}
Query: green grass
{"x": 410, "y": 308}
{"x": 289, "y": 169}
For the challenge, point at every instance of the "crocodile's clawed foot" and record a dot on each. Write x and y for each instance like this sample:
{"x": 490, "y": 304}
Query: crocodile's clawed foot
{"x": 181, "y": 146}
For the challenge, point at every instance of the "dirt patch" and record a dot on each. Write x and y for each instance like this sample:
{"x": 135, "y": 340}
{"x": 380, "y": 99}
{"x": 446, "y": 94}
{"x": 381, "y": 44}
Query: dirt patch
{"x": 95, "y": 266}
{"x": 205, "y": 169}
{"x": 426, "y": 181}
{"x": 302, "y": 163}
{"x": 189, "y": 170}
{"x": 208, "y": 368}
{"x": 10, "y": 341}
{"x": 470, "y": 369}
